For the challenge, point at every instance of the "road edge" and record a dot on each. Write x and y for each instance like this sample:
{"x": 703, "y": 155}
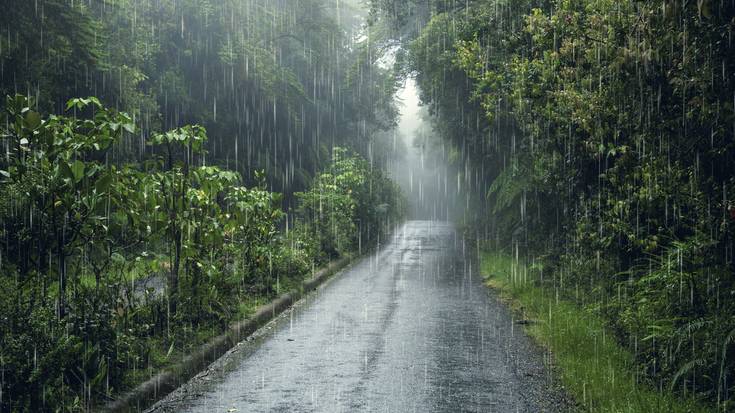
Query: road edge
{"x": 159, "y": 386}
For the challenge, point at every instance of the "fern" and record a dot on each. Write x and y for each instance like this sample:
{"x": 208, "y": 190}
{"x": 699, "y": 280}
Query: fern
{"x": 721, "y": 379}
{"x": 509, "y": 186}
{"x": 686, "y": 368}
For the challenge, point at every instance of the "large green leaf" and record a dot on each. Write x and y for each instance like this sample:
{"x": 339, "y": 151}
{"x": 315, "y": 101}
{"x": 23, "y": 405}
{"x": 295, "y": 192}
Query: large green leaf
{"x": 77, "y": 169}
{"x": 129, "y": 127}
{"x": 103, "y": 184}
{"x": 65, "y": 170}
{"x": 33, "y": 119}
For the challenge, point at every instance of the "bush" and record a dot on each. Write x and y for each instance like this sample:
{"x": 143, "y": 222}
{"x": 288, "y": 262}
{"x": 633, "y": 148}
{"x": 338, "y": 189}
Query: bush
{"x": 79, "y": 233}
{"x": 349, "y": 204}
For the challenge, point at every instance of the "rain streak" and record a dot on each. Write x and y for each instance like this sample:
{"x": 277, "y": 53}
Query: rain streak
{"x": 367, "y": 206}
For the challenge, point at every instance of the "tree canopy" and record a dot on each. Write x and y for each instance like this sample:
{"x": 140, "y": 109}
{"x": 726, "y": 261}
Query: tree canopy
{"x": 599, "y": 137}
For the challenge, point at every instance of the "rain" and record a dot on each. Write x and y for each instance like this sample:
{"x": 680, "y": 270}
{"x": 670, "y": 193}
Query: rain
{"x": 367, "y": 205}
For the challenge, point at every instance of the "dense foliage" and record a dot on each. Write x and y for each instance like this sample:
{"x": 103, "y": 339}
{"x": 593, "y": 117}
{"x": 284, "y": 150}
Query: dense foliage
{"x": 109, "y": 268}
{"x": 601, "y": 133}
{"x": 128, "y": 235}
{"x": 348, "y": 204}
{"x": 264, "y": 77}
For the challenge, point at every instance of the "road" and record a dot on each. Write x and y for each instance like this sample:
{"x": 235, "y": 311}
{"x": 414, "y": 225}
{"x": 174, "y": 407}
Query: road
{"x": 409, "y": 329}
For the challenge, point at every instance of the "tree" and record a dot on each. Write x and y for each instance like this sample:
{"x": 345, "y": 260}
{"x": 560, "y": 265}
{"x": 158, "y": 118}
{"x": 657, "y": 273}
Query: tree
{"x": 58, "y": 180}
{"x": 174, "y": 181}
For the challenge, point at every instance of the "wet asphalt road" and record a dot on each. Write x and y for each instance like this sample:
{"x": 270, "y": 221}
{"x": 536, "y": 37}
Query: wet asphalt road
{"x": 409, "y": 329}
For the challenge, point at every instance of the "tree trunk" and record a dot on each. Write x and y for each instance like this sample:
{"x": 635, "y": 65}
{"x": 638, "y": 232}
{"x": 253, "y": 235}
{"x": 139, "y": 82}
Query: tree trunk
{"x": 61, "y": 259}
{"x": 62, "y": 276}
{"x": 173, "y": 282}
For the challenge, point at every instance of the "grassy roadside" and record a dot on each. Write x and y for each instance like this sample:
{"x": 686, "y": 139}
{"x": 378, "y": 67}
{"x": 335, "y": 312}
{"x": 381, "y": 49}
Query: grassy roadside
{"x": 596, "y": 371}
{"x": 167, "y": 369}
{"x": 165, "y": 352}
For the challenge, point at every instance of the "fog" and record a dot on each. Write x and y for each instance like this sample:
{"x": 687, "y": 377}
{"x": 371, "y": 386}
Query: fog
{"x": 421, "y": 166}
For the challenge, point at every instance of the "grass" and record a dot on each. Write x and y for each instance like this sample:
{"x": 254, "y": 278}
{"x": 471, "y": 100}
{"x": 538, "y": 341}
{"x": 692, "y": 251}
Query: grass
{"x": 164, "y": 354}
{"x": 596, "y": 371}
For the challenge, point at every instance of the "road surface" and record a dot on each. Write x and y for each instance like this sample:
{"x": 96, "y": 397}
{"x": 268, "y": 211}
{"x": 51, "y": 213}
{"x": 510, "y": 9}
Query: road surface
{"x": 409, "y": 329}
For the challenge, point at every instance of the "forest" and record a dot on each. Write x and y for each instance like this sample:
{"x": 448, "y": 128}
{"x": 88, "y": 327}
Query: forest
{"x": 599, "y": 136}
{"x": 167, "y": 167}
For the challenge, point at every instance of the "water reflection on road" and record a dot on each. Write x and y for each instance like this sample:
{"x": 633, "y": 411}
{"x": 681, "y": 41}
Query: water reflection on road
{"x": 407, "y": 329}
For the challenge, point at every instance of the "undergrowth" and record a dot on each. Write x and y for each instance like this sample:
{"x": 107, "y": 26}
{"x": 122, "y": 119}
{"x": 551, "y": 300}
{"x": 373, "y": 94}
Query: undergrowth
{"x": 598, "y": 373}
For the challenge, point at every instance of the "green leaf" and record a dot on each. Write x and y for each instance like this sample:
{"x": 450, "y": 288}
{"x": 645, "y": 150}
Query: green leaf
{"x": 170, "y": 350}
{"x": 65, "y": 170}
{"x": 78, "y": 103}
{"x": 33, "y": 119}
{"x": 103, "y": 184}
{"x": 77, "y": 169}
{"x": 96, "y": 102}
{"x": 117, "y": 258}
{"x": 5, "y": 173}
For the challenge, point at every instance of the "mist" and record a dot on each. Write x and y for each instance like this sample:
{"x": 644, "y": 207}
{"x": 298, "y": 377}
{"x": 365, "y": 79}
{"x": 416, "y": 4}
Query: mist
{"x": 421, "y": 165}
{"x": 336, "y": 200}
